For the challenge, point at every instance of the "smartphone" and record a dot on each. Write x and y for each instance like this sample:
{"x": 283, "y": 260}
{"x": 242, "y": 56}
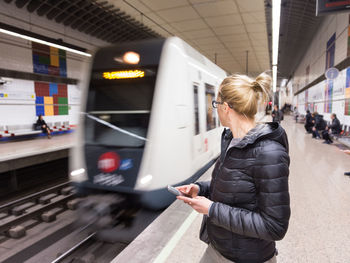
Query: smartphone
{"x": 176, "y": 192}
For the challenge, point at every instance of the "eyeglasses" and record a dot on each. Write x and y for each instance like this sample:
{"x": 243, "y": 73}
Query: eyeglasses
{"x": 215, "y": 103}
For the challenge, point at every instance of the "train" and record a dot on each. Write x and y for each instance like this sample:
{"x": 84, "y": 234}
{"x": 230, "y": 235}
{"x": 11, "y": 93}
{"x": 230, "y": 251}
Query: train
{"x": 146, "y": 122}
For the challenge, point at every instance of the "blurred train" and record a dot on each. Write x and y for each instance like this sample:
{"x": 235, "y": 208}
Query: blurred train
{"x": 148, "y": 121}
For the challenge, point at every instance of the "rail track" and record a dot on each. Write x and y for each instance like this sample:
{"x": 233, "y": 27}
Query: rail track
{"x": 42, "y": 206}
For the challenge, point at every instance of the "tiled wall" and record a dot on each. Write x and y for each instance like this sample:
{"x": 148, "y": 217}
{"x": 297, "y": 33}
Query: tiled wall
{"x": 315, "y": 56}
{"x": 21, "y": 100}
{"x": 327, "y": 96}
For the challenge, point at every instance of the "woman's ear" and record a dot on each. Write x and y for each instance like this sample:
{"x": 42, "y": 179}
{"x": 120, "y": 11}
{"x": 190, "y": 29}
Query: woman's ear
{"x": 226, "y": 107}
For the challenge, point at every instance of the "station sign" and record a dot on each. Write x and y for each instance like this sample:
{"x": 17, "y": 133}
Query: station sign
{"x": 326, "y": 7}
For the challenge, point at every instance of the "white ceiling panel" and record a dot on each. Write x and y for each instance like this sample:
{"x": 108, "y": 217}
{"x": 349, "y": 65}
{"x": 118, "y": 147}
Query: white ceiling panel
{"x": 228, "y": 30}
{"x": 212, "y": 41}
{"x": 257, "y": 36}
{"x": 225, "y": 27}
{"x": 260, "y": 46}
{"x": 156, "y": 18}
{"x": 139, "y": 5}
{"x": 250, "y": 5}
{"x": 208, "y": 9}
{"x": 237, "y": 43}
{"x": 227, "y": 20}
{"x": 196, "y": 34}
{"x": 235, "y": 37}
{"x": 164, "y": 4}
{"x": 178, "y": 14}
{"x": 189, "y": 25}
{"x": 255, "y": 17}
{"x": 256, "y": 28}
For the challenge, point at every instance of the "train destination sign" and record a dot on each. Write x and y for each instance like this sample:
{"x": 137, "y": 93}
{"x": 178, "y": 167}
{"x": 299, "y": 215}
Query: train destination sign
{"x": 124, "y": 74}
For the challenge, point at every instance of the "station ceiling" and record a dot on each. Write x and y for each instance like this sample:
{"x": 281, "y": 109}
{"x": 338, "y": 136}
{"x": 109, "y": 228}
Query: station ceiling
{"x": 298, "y": 27}
{"x": 97, "y": 18}
{"x": 222, "y": 30}
{"x": 226, "y": 31}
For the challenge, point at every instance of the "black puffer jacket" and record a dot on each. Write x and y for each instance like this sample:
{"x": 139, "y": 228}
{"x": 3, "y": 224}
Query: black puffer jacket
{"x": 320, "y": 123}
{"x": 249, "y": 188}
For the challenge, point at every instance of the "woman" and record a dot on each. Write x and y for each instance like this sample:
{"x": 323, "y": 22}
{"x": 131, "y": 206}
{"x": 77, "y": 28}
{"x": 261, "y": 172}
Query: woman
{"x": 42, "y": 124}
{"x": 246, "y": 203}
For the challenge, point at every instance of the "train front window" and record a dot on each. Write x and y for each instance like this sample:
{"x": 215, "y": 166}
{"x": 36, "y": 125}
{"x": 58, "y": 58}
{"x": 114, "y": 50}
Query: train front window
{"x": 118, "y": 110}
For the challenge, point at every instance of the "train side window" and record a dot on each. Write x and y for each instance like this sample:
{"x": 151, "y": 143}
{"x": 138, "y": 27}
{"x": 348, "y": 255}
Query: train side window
{"x": 196, "y": 110}
{"x": 211, "y": 113}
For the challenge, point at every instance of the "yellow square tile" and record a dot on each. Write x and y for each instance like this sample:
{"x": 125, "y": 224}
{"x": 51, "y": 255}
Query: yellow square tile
{"x": 53, "y": 51}
{"x": 54, "y": 61}
{"x": 48, "y": 100}
{"x": 49, "y": 110}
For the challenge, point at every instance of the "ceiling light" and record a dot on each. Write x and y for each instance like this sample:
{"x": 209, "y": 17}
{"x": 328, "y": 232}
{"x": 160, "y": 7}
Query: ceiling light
{"x": 276, "y": 14}
{"x": 44, "y": 42}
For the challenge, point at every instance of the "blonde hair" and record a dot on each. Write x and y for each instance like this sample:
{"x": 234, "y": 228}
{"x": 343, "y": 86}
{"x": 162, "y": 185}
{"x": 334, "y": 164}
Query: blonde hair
{"x": 243, "y": 93}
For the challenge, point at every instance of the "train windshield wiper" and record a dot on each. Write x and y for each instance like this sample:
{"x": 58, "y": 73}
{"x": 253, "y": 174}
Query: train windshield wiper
{"x": 114, "y": 127}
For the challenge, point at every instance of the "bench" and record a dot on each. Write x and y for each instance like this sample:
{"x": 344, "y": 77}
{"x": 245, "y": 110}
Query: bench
{"x": 27, "y": 130}
{"x": 58, "y": 126}
{"x": 4, "y": 132}
{"x": 343, "y": 137}
{"x": 24, "y": 129}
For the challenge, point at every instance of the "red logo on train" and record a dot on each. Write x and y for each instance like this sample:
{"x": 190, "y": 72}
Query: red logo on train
{"x": 108, "y": 162}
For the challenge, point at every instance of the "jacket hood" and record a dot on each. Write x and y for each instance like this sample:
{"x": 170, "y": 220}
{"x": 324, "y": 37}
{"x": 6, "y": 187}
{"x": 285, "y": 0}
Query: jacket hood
{"x": 270, "y": 130}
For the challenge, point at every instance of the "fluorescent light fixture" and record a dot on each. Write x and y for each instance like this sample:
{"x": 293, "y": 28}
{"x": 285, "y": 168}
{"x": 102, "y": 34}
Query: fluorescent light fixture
{"x": 276, "y": 14}
{"x": 44, "y": 42}
{"x": 77, "y": 172}
{"x": 274, "y": 78}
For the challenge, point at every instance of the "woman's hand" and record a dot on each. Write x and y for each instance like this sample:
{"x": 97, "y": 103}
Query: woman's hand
{"x": 191, "y": 190}
{"x": 199, "y": 203}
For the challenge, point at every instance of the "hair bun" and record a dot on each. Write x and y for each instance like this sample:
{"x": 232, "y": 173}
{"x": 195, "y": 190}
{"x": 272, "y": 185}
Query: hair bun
{"x": 256, "y": 86}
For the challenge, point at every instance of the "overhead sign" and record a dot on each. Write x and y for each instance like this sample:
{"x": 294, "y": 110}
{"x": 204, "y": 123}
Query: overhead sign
{"x": 331, "y": 73}
{"x": 124, "y": 74}
{"x": 326, "y": 7}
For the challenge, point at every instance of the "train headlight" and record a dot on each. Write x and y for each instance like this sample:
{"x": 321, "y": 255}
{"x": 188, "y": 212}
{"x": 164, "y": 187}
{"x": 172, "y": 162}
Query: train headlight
{"x": 131, "y": 57}
{"x": 77, "y": 172}
{"x": 146, "y": 179}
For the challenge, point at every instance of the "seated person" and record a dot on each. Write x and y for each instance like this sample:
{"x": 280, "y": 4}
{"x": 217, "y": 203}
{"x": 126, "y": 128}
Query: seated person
{"x": 334, "y": 128}
{"x": 320, "y": 125}
{"x": 308, "y": 122}
{"x": 42, "y": 124}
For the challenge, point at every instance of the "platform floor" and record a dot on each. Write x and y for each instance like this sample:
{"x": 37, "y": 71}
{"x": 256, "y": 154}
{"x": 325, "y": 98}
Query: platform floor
{"x": 18, "y": 149}
{"x": 319, "y": 230}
